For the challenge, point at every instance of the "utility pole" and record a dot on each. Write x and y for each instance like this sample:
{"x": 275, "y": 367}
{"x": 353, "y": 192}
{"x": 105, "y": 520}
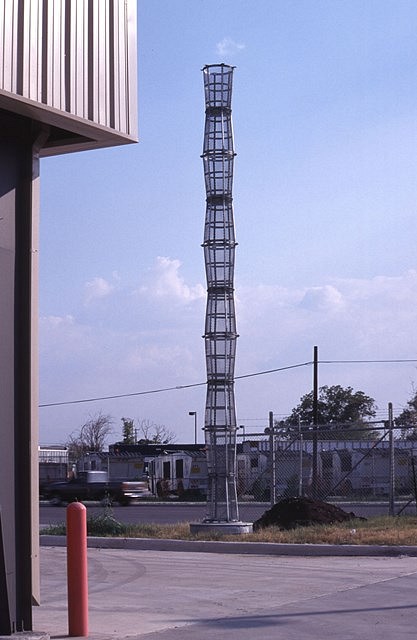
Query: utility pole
{"x": 315, "y": 420}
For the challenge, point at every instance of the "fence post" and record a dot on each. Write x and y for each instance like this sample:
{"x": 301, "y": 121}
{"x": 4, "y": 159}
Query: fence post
{"x": 391, "y": 461}
{"x": 273, "y": 457}
{"x": 314, "y": 486}
{"x": 77, "y": 574}
{"x": 413, "y": 467}
{"x": 300, "y": 479}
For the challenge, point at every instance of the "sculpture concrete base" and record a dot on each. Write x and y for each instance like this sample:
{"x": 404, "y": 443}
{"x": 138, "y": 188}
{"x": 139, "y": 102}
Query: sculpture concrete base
{"x": 224, "y": 528}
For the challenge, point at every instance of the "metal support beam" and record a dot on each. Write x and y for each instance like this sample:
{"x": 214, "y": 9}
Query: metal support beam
{"x": 18, "y": 361}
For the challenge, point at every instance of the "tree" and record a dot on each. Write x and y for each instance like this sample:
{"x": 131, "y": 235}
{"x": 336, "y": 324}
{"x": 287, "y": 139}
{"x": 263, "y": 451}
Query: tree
{"x": 154, "y": 433}
{"x": 407, "y": 420}
{"x": 341, "y": 410}
{"x": 129, "y": 436}
{"x": 90, "y": 437}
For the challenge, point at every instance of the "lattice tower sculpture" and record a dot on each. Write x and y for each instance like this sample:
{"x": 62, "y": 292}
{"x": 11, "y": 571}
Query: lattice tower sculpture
{"x": 220, "y": 326}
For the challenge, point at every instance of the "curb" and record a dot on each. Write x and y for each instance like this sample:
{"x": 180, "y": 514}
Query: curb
{"x": 252, "y": 548}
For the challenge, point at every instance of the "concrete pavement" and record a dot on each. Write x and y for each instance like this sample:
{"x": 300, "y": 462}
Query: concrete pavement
{"x": 166, "y": 595}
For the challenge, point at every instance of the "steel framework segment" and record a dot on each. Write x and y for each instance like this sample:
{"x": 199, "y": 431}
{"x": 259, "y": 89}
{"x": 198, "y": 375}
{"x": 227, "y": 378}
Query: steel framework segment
{"x": 220, "y": 326}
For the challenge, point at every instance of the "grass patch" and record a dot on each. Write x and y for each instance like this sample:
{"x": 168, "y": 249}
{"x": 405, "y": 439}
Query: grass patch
{"x": 104, "y": 524}
{"x": 384, "y": 530}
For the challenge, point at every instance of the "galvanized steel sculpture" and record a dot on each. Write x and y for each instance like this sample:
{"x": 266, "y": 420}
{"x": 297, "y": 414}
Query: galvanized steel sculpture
{"x": 220, "y": 327}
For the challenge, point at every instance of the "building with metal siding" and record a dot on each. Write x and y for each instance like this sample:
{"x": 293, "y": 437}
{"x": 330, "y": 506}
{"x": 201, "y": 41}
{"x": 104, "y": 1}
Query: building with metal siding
{"x": 71, "y": 64}
{"x": 67, "y": 83}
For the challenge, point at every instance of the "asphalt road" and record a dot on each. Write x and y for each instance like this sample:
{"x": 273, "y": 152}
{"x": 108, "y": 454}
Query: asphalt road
{"x": 146, "y": 512}
{"x": 173, "y": 513}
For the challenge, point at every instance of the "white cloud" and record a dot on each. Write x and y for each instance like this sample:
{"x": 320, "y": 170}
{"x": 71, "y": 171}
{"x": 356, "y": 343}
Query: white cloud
{"x": 97, "y": 288}
{"x": 56, "y": 321}
{"x": 158, "y": 357}
{"x": 165, "y": 281}
{"x": 362, "y": 317}
{"x": 63, "y": 337}
{"x": 381, "y": 289}
{"x": 396, "y": 294}
{"x": 326, "y": 298}
{"x": 161, "y": 345}
{"x": 228, "y": 46}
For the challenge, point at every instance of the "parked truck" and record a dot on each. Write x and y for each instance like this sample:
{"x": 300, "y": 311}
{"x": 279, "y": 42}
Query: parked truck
{"x": 95, "y": 485}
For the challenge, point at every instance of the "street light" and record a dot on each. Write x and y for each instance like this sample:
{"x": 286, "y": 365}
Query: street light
{"x": 242, "y": 426}
{"x": 194, "y": 413}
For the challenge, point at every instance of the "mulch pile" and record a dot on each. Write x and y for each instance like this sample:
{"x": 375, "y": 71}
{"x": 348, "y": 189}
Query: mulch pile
{"x": 301, "y": 512}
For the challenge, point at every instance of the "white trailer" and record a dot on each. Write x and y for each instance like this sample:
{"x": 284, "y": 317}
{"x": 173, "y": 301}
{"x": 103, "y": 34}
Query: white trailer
{"x": 371, "y": 472}
{"x": 181, "y": 474}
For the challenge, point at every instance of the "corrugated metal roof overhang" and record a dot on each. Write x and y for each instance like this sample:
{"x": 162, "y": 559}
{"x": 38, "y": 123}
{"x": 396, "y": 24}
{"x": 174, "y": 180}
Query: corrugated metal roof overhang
{"x": 68, "y": 133}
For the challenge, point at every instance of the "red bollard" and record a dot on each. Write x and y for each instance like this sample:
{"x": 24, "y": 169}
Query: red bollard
{"x": 77, "y": 575}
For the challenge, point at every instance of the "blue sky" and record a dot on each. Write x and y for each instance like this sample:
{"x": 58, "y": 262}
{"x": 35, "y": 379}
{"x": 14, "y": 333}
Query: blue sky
{"x": 325, "y": 199}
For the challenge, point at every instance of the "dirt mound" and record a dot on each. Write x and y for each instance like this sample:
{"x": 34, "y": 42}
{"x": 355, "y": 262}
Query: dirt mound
{"x": 301, "y": 512}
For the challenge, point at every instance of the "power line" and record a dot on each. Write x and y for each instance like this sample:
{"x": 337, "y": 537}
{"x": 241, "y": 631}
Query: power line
{"x": 183, "y": 386}
{"x": 200, "y": 384}
{"x": 365, "y": 361}
{"x": 122, "y": 395}
{"x": 262, "y": 373}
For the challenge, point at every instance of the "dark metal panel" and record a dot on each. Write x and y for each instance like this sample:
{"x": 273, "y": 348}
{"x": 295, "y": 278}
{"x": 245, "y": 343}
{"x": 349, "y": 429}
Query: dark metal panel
{"x": 15, "y": 364}
{"x": 7, "y": 264}
{"x": 22, "y": 421}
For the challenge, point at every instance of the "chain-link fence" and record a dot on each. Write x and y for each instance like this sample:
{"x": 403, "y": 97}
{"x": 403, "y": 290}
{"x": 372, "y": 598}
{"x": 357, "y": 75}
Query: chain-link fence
{"x": 380, "y": 466}
{"x": 53, "y": 465}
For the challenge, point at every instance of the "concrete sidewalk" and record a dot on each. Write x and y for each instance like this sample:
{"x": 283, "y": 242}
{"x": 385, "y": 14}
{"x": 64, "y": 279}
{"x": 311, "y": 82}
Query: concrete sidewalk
{"x": 162, "y": 595}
